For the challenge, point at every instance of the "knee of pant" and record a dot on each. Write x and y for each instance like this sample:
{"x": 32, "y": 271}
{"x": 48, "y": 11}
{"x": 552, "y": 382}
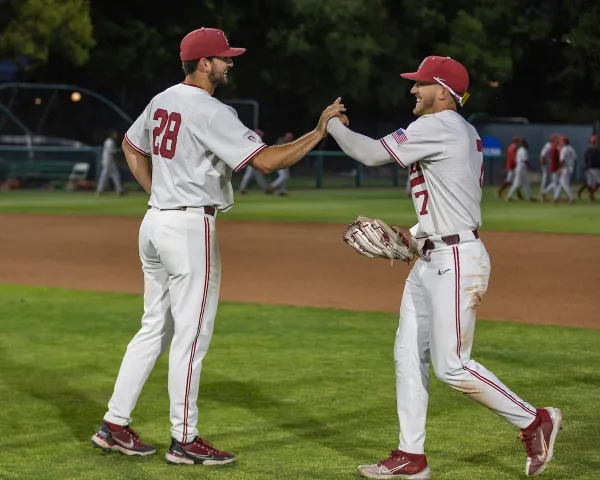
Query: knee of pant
{"x": 449, "y": 374}
{"x": 405, "y": 357}
{"x": 151, "y": 331}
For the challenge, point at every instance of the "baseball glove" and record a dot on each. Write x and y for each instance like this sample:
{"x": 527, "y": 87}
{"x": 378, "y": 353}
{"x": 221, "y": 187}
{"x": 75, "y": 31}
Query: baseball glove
{"x": 374, "y": 239}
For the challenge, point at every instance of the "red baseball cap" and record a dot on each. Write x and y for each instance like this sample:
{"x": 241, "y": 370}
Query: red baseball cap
{"x": 593, "y": 139}
{"x": 207, "y": 42}
{"x": 445, "y": 71}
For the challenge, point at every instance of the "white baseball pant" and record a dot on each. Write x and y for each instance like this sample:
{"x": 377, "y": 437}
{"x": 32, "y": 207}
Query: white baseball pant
{"x": 182, "y": 274}
{"x": 280, "y": 181}
{"x": 521, "y": 180}
{"x": 564, "y": 183}
{"x": 258, "y": 176}
{"x": 437, "y": 323}
{"x": 553, "y": 185}
{"x": 544, "y": 181}
{"x": 109, "y": 170}
{"x": 592, "y": 177}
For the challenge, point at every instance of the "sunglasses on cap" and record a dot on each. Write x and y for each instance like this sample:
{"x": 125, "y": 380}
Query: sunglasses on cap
{"x": 461, "y": 99}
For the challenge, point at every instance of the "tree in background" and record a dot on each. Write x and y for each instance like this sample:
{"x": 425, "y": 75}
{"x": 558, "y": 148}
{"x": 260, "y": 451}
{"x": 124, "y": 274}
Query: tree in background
{"x": 533, "y": 58}
{"x": 35, "y": 28}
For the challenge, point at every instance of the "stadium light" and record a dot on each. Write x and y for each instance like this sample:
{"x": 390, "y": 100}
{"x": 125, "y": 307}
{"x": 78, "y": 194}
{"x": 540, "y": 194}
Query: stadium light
{"x": 38, "y": 101}
{"x": 75, "y": 96}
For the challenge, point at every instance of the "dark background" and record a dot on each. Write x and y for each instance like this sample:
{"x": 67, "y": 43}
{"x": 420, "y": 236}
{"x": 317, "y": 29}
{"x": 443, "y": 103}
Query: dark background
{"x": 302, "y": 54}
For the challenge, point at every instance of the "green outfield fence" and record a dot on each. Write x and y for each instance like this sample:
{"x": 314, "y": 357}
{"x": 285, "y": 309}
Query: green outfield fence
{"x": 40, "y": 165}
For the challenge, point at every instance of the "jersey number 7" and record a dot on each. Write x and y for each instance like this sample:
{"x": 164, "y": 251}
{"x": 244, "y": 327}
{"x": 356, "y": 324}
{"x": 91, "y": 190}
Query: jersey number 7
{"x": 169, "y": 123}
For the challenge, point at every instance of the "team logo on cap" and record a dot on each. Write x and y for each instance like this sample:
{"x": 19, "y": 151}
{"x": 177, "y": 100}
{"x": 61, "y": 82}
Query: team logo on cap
{"x": 225, "y": 37}
{"x": 252, "y": 138}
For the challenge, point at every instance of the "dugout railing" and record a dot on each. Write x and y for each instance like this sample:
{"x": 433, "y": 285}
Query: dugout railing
{"x": 36, "y": 165}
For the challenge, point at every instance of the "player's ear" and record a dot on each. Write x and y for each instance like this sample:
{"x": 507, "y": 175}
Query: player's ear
{"x": 443, "y": 93}
{"x": 204, "y": 65}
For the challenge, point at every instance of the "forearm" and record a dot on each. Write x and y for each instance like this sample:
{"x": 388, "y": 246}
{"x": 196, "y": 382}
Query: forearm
{"x": 140, "y": 166}
{"x": 278, "y": 157}
{"x": 361, "y": 148}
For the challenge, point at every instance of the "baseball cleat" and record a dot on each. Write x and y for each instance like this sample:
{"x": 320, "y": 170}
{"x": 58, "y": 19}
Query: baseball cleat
{"x": 539, "y": 442}
{"x": 398, "y": 465}
{"x": 197, "y": 452}
{"x": 120, "y": 439}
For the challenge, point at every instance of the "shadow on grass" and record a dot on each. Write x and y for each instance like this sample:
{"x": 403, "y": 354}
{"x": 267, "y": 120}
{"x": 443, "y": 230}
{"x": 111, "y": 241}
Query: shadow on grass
{"x": 288, "y": 416}
{"x": 493, "y": 461}
{"x": 80, "y": 412}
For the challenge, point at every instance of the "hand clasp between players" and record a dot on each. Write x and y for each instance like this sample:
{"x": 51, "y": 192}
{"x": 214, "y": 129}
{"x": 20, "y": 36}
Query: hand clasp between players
{"x": 336, "y": 109}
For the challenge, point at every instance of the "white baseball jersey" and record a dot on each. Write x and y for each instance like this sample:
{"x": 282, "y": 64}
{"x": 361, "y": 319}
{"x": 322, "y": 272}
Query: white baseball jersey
{"x": 195, "y": 142}
{"x": 445, "y": 156}
{"x": 108, "y": 151}
{"x": 522, "y": 157}
{"x": 568, "y": 157}
{"x": 545, "y": 149}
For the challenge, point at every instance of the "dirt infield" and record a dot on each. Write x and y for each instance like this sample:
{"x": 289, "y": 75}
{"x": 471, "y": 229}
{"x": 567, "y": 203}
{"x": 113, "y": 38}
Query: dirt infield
{"x": 536, "y": 278}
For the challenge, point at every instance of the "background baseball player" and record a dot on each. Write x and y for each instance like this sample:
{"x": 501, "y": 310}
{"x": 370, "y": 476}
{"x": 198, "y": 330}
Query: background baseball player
{"x": 437, "y": 317}
{"x": 553, "y": 167}
{"x": 544, "y": 159}
{"x": 521, "y": 178}
{"x": 109, "y": 164}
{"x": 567, "y": 159}
{"x": 250, "y": 172}
{"x": 279, "y": 185}
{"x": 182, "y": 150}
{"x": 592, "y": 169}
{"x": 509, "y": 166}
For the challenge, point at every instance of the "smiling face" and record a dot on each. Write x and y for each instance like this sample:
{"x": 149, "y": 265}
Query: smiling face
{"x": 217, "y": 72}
{"x": 426, "y": 95}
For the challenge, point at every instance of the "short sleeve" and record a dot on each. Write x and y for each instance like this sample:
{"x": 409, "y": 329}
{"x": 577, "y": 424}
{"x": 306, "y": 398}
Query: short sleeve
{"x": 231, "y": 141}
{"x": 138, "y": 135}
{"x": 422, "y": 140}
{"x": 545, "y": 150}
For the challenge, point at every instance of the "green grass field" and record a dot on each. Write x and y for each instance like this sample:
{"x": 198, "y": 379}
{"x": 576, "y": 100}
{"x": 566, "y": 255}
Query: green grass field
{"x": 335, "y": 205}
{"x": 298, "y": 393}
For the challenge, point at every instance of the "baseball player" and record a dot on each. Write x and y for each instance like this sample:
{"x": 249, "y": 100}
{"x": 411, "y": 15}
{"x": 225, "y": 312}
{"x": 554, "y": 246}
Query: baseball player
{"x": 544, "y": 154}
{"x": 282, "y": 175}
{"x": 592, "y": 169}
{"x": 109, "y": 164}
{"x": 553, "y": 167}
{"x": 521, "y": 172}
{"x": 183, "y": 149}
{"x": 510, "y": 165}
{"x": 567, "y": 159}
{"x": 446, "y": 284}
{"x": 250, "y": 173}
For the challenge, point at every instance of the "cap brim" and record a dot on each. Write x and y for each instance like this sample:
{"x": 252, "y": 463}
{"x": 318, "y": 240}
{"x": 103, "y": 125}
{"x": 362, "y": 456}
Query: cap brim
{"x": 232, "y": 52}
{"x": 415, "y": 76}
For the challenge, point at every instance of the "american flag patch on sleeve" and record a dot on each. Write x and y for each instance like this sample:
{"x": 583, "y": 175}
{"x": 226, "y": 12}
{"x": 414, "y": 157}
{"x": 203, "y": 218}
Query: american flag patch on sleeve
{"x": 399, "y": 136}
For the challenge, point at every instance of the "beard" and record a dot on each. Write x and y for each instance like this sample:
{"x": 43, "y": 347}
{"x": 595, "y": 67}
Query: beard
{"x": 217, "y": 78}
{"x": 423, "y": 107}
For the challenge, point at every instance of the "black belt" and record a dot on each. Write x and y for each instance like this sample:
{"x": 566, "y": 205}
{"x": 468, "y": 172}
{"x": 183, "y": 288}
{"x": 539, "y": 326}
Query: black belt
{"x": 207, "y": 210}
{"x": 448, "y": 240}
